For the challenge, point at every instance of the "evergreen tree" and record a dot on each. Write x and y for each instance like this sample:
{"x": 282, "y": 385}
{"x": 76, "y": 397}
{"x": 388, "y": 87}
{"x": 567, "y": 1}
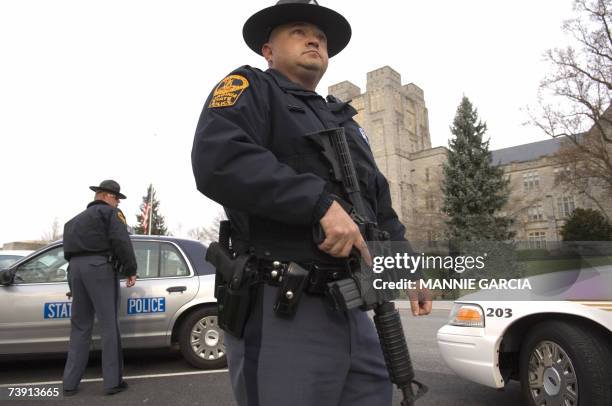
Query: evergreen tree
{"x": 474, "y": 190}
{"x": 586, "y": 225}
{"x": 158, "y": 222}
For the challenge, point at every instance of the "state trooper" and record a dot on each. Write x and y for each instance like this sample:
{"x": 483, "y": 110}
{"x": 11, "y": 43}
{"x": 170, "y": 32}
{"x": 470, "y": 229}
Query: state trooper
{"x": 251, "y": 155}
{"x": 97, "y": 244}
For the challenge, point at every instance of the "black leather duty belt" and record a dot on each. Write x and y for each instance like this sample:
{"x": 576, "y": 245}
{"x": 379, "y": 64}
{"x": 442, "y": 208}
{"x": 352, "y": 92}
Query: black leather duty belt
{"x": 92, "y": 254}
{"x": 271, "y": 272}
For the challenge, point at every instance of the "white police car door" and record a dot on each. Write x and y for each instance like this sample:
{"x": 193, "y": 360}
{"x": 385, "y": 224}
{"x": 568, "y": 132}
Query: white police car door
{"x": 166, "y": 282}
{"x": 35, "y": 315}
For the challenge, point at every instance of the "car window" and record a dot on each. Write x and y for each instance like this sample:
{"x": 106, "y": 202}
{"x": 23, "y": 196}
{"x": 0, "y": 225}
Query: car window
{"x": 172, "y": 262}
{"x": 147, "y": 258}
{"x": 6, "y": 260}
{"x": 44, "y": 268}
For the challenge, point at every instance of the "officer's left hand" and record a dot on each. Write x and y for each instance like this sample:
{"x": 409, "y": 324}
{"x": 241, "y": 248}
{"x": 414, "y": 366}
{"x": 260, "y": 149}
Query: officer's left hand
{"x": 130, "y": 281}
{"x": 420, "y": 301}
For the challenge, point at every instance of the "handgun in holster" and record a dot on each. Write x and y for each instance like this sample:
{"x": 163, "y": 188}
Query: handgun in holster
{"x": 234, "y": 283}
{"x": 116, "y": 264}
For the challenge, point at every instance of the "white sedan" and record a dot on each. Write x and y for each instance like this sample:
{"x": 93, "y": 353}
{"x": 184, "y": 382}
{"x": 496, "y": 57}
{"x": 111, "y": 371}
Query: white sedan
{"x": 560, "y": 350}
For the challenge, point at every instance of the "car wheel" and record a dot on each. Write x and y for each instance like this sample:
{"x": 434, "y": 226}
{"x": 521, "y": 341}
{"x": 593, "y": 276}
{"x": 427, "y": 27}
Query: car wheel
{"x": 565, "y": 364}
{"x": 201, "y": 340}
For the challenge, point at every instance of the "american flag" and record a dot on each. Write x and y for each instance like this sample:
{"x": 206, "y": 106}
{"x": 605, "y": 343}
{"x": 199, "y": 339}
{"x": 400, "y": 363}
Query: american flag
{"x": 144, "y": 223}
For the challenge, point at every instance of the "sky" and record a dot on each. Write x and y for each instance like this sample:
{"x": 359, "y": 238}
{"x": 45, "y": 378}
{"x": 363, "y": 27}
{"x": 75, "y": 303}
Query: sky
{"x": 94, "y": 90}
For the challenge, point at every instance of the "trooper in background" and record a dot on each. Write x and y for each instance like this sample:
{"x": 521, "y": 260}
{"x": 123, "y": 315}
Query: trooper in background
{"x": 97, "y": 244}
{"x": 251, "y": 154}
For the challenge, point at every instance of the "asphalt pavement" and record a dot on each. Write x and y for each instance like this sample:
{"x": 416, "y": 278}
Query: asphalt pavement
{"x": 162, "y": 377}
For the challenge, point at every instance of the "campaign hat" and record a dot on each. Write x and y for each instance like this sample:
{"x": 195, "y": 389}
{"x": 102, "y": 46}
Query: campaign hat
{"x": 110, "y": 186}
{"x": 256, "y": 30}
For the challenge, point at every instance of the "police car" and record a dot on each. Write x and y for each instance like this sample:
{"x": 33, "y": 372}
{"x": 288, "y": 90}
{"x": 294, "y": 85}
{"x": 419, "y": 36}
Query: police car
{"x": 560, "y": 350}
{"x": 171, "y": 304}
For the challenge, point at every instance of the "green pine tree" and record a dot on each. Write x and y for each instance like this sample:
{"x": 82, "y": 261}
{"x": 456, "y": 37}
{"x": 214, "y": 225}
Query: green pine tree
{"x": 474, "y": 190}
{"x": 586, "y": 225}
{"x": 158, "y": 222}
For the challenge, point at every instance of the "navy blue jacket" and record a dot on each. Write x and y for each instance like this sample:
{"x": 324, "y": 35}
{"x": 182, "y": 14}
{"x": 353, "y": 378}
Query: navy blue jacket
{"x": 100, "y": 229}
{"x": 250, "y": 154}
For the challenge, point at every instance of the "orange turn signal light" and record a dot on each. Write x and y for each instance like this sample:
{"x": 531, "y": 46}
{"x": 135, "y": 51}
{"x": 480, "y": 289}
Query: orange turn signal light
{"x": 468, "y": 314}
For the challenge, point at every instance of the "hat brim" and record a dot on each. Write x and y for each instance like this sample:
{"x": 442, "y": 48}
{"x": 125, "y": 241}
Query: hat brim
{"x": 257, "y": 28}
{"x": 101, "y": 189}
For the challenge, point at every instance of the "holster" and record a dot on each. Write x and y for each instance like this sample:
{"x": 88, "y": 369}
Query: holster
{"x": 234, "y": 297}
{"x": 116, "y": 264}
{"x": 235, "y": 278}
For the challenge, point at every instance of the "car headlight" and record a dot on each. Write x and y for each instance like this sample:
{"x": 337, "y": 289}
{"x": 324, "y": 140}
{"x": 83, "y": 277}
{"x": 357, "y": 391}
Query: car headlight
{"x": 467, "y": 315}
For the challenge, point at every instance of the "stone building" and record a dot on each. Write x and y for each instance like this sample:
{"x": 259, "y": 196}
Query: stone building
{"x": 395, "y": 120}
{"x": 539, "y": 201}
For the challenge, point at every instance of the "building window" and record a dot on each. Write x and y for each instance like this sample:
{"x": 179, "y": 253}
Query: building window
{"x": 426, "y": 174}
{"x": 536, "y": 212}
{"x": 537, "y": 239}
{"x": 565, "y": 205}
{"x": 561, "y": 174}
{"x": 531, "y": 180}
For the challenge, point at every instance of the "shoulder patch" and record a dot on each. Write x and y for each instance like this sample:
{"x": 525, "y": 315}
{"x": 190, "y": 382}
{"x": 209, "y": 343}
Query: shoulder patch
{"x": 121, "y": 217}
{"x": 228, "y": 91}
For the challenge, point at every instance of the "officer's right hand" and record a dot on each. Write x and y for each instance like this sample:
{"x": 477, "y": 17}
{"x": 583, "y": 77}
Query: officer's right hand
{"x": 131, "y": 281}
{"x": 342, "y": 234}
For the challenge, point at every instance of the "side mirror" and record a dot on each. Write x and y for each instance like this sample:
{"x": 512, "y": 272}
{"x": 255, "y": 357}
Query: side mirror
{"x": 7, "y": 277}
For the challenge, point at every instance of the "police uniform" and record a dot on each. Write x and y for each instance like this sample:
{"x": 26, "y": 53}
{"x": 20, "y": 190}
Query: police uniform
{"x": 251, "y": 153}
{"x": 93, "y": 240}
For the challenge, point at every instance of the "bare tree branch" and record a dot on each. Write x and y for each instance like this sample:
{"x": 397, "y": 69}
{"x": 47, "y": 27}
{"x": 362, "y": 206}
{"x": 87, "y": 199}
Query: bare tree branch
{"x": 210, "y": 233}
{"x": 53, "y": 234}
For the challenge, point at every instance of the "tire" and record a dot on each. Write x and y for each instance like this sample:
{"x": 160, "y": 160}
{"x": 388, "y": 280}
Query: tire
{"x": 566, "y": 362}
{"x": 201, "y": 340}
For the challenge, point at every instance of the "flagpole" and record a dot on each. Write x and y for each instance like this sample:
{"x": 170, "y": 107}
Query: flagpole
{"x": 151, "y": 192}
{"x": 150, "y": 208}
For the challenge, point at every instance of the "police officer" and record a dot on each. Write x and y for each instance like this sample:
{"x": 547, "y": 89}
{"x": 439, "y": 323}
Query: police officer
{"x": 251, "y": 154}
{"x": 97, "y": 243}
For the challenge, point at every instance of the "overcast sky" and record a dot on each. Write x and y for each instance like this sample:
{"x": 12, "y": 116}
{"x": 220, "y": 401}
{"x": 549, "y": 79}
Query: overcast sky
{"x": 96, "y": 90}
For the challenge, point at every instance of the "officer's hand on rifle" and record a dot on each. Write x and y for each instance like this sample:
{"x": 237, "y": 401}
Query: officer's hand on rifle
{"x": 342, "y": 234}
{"x": 130, "y": 281}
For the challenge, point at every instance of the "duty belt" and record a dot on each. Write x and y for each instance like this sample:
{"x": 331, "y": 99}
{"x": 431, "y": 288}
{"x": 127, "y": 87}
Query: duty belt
{"x": 107, "y": 254}
{"x": 319, "y": 275}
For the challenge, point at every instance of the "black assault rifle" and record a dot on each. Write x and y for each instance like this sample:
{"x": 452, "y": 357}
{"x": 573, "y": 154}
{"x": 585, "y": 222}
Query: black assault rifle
{"x": 357, "y": 291}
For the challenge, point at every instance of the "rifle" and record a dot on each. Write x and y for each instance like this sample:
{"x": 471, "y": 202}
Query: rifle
{"x": 350, "y": 293}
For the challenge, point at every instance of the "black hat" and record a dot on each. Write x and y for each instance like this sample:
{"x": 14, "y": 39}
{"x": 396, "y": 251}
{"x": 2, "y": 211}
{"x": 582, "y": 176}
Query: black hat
{"x": 109, "y": 186}
{"x": 257, "y": 29}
